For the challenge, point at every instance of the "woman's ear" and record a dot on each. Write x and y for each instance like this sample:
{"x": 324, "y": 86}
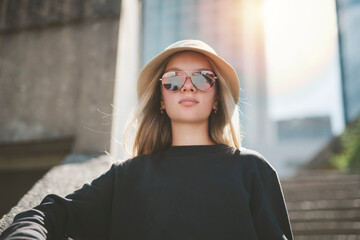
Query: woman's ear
{"x": 215, "y": 105}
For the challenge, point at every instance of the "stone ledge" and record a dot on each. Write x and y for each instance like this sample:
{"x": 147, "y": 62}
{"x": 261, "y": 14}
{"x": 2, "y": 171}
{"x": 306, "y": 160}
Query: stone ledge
{"x": 63, "y": 179}
{"x": 34, "y": 154}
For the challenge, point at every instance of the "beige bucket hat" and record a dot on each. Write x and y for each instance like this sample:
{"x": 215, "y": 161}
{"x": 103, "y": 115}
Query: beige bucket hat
{"x": 226, "y": 70}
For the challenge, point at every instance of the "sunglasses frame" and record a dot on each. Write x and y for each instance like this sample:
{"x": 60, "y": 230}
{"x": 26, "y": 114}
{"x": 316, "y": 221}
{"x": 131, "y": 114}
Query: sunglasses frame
{"x": 190, "y": 76}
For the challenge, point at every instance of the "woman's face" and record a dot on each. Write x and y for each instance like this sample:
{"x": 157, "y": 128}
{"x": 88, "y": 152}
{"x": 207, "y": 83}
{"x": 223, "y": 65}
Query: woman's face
{"x": 188, "y": 105}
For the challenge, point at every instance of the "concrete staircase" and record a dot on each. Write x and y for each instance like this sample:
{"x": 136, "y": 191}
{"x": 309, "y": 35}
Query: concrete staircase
{"x": 324, "y": 205}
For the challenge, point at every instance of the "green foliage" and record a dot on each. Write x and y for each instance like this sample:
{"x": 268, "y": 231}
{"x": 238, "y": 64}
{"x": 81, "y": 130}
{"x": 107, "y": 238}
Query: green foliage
{"x": 349, "y": 158}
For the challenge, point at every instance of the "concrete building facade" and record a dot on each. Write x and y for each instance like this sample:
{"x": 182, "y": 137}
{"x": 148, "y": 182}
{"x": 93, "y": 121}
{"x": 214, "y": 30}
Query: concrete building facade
{"x": 57, "y": 71}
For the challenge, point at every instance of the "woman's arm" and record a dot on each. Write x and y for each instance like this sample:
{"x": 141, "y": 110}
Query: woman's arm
{"x": 268, "y": 208}
{"x": 83, "y": 214}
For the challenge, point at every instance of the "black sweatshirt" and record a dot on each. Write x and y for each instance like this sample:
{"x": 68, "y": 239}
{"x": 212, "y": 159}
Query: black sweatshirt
{"x": 187, "y": 192}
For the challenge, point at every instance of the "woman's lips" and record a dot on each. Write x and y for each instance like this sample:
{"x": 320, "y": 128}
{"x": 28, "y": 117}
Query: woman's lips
{"x": 188, "y": 101}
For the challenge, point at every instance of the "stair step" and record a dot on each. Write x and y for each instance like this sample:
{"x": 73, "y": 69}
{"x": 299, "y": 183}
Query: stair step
{"x": 321, "y": 177}
{"x": 328, "y": 237}
{"x": 324, "y": 204}
{"x": 301, "y": 186}
{"x": 325, "y": 215}
{"x": 326, "y": 172}
{"x": 292, "y": 195}
{"x": 330, "y": 227}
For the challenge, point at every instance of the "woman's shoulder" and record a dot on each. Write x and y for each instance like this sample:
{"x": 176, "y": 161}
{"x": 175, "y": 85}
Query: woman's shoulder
{"x": 132, "y": 163}
{"x": 253, "y": 159}
{"x": 246, "y": 153}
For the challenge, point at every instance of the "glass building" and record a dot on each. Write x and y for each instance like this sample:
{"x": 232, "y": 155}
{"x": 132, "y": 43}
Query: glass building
{"x": 349, "y": 29}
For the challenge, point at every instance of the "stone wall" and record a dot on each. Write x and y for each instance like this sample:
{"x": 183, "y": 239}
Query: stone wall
{"x": 20, "y": 14}
{"x": 57, "y": 71}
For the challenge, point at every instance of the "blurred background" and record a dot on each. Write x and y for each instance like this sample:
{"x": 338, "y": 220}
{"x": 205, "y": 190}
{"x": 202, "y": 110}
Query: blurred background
{"x": 68, "y": 73}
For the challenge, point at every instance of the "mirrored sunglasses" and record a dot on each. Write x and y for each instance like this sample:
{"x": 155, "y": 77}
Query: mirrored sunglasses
{"x": 175, "y": 80}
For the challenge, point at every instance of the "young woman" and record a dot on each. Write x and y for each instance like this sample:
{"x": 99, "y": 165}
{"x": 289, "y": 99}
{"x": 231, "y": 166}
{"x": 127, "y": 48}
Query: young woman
{"x": 189, "y": 177}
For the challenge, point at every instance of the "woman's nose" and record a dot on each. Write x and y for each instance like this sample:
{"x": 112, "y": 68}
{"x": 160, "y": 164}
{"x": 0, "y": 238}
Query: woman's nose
{"x": 188, "y": 85}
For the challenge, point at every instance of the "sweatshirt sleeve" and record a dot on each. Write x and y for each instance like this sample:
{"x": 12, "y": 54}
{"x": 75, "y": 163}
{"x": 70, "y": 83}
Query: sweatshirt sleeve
{"x": 83, "y": 214}
{"x": 268, "y": 208}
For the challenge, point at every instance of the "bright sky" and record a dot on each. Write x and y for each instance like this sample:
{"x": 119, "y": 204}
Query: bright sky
{"x": 302, "y": 60}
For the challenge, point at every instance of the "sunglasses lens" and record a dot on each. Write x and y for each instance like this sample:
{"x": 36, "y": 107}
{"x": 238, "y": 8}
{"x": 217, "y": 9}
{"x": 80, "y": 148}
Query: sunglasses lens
{"x": 171, "y": 81}
{"x": 204, "y": 80}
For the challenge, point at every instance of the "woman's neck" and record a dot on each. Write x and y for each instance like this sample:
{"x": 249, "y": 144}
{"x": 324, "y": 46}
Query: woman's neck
{"x": 190, "y": 134}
